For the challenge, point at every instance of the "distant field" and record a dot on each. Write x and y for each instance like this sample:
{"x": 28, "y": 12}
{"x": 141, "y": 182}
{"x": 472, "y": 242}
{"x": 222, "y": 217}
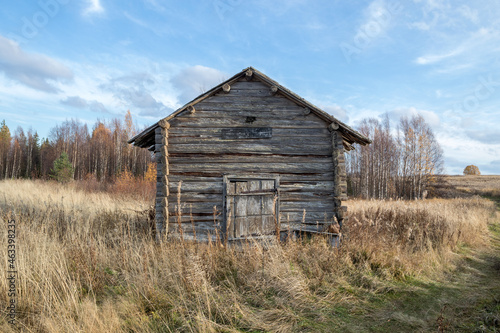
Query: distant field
{"x": 483, "y": 185}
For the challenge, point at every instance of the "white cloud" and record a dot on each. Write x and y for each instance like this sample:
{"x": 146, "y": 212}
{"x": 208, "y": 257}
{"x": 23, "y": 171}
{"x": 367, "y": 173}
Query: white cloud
{"x": 468, "y": 13}
{"x": 80, "y": 103}
{"x": 136, "y": 90}
{"x": 378, "y": 18}
{"x": 93, "y": 7}
{"x": 430, "y": 59}
{"x": 195, "y": 80}
{"x": 136, "y": 20}
{"x": 430, "y": 117}
{"x": 338, "y": 112}
{"x": 479, "y": 48}
{"x": 36, "y": 71}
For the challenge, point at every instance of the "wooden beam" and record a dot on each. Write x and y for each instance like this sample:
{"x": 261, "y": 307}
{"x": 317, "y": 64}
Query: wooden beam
{"x": 226, "y": 88}
{"x": 249, "y": 74}
{"x": 162, "y": 171}
{"x": 274, "y": 90}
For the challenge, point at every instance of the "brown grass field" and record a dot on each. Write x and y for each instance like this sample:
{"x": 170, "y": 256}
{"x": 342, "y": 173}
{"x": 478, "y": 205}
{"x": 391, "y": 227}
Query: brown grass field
{"x": 482, "y": 185}
{"x": 86, "y": 262}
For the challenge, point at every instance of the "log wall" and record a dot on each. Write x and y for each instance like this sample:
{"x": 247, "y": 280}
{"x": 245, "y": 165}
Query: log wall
{"x": 202, "y": 147}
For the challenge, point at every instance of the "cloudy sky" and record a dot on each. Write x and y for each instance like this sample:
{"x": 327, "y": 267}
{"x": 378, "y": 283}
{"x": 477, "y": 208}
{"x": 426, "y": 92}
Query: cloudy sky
{"x": 96, "y": 59}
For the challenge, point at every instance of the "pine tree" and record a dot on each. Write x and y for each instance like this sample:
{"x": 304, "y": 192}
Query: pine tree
{"x": 5, "y": 141}
{"x": 62, "y": 170}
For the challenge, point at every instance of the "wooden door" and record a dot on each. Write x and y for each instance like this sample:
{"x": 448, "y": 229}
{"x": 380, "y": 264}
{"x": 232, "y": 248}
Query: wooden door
{"x": 250, "y": 207}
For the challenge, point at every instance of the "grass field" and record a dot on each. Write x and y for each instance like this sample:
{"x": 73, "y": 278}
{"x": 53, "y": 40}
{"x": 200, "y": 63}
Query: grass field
{"x": 87, "y": 263}
{"x": 483, "y": 185}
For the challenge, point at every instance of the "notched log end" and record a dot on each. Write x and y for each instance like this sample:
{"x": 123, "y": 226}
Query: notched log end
{"x": 274, "y": 90}
{"x": 164, "y": 124}
{"x": 333, "y": 127}
{"x": 249, "y": 74}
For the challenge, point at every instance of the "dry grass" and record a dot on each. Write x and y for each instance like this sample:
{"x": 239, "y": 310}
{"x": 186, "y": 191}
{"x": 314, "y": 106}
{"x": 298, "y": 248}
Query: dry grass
{"x": 86, "y": 263}
{"x": 482, "y": 185}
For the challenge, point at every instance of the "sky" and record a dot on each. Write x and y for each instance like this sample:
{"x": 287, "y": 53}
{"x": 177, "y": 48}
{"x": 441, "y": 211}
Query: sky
{"x": 96, "y": 59}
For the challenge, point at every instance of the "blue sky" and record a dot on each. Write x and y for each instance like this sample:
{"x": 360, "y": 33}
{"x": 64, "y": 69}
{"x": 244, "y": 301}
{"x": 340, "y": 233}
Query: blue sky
{"x": 90, "y": 59}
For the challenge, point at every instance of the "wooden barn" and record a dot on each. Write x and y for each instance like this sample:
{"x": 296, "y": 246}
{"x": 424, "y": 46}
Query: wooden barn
{"x": 248, "y": 158}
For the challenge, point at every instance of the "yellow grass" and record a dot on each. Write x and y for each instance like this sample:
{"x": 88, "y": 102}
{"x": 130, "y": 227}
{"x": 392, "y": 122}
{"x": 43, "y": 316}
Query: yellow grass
{"x": 87, "y": 263}
{"x": 483, "y": 184}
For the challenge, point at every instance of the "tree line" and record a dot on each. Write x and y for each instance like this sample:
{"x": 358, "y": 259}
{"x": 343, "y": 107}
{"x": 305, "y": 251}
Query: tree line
{"x": 401, "y": 162}
{"x": 102, "y": 152}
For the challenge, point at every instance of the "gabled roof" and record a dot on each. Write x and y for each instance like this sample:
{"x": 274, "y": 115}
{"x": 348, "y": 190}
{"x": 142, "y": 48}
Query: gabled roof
{"x": 145, "y": 139}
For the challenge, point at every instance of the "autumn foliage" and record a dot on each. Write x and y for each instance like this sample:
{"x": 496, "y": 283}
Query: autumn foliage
{"x": 399, "y": 163}
{"x": 472, "y": 170}
{"x": 100, "y": 154}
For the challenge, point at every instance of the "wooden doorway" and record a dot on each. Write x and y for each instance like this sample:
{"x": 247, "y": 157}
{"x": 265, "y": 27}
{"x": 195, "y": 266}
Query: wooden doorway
{"x": 251, "y": 205}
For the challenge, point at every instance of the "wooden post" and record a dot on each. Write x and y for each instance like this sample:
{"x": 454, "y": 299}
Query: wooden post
{"x": 339, "y": 172}
{"x": 162, "y": 172}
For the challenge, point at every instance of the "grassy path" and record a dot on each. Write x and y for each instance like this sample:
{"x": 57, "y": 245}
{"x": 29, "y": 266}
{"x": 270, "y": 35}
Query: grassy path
{"x": 465, "y": 299}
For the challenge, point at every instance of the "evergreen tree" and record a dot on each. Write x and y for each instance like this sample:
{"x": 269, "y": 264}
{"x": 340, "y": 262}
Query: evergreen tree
{"x": 62, "y": 170}
{"x": 5, "y": 141}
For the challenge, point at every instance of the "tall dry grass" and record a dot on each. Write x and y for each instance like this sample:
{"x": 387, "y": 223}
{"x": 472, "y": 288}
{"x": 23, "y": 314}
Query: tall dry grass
{"x": 87, "y": 263}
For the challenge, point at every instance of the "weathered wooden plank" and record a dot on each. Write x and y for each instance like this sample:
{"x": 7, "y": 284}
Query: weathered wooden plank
{"x": 240, "y": 209}
{"x": 294, "y": 216}
{"x": 193, "y": 176}
{"x": 247, "y": 158}
{"x": 261, "y": 92}
{"x": 319, "y": 186}
{"x": 249, "y": 85}
{"x": 259, "y": 106}
{"x": 237, "y": 133}
{"x": 195, "y": 197}
{"x": 201, "y": 228}
{"x": 303, "y": 142}
{"x": 266, "y": 139}
{"x": 195, "y": 208}
{"x": 291, "y": 216}
{"x": 188, "y": 179}
{"x": 217, "y": 147}
{"x": 261, "y": 113}
{"x": 252, "y": 167}
{"x": 229, "y": 121}
{"x": 247, "y": 99}
{"x": 306, "y": 196}
{"x": 312, "y": 206}
{"x": 216, "y": 132}
{"x": 200, "y": 187}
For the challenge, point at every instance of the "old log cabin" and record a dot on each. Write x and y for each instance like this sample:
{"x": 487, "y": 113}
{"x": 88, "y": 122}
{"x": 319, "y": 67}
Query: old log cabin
{"x": 245, "y": 152}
